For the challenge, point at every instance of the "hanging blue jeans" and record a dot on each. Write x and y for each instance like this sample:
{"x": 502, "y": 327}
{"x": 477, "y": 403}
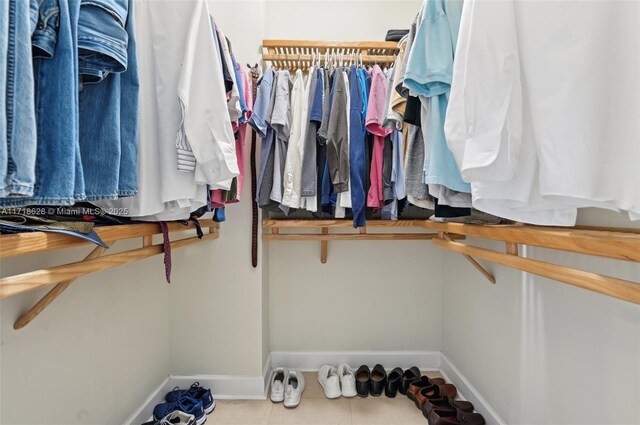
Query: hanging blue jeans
{"x": 59, "y": 177}
{"x": 357, "y": 148}
{"x": 18, "y": 127}
{"x": 109, "y": 107}
{"x": 102, "y": 38}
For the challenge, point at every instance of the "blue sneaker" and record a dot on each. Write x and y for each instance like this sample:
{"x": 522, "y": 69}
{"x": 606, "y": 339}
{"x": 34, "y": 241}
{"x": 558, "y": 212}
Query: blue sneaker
{"x": 185, "y": 404}
{"x": 174, "y": 418}
{"x": 201, "y": 394}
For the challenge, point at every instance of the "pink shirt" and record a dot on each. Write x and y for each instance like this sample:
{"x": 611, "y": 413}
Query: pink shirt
{"x": 374, "y": 119}
{"x": 216, "y": 195}
{"x": 377, "y": 99}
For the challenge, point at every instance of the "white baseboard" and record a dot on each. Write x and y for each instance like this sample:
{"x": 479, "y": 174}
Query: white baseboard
{"x": 266, "y": 374}
{"x": 229, "y": 387}
{"x": 469, "y": 392}
{"x": 309, "y": 361}
{"x": 226, "y": 387}
{"x": 223, "y": 387}
{"x": 145, "y": 411}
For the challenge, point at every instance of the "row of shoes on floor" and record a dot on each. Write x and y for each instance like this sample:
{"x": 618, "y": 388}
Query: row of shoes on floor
{"x": 433, "y": 396}
{"x": 436, "y": 399}
{"x": 184, "y": 407}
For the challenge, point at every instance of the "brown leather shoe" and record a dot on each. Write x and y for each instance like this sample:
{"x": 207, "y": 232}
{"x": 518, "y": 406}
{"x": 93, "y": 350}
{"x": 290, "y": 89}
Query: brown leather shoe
{"x": 423, "y": 382}
{"x": 435, "y": 391}
{"x": 439, "y": 417}
{"x": 445, "y": 403}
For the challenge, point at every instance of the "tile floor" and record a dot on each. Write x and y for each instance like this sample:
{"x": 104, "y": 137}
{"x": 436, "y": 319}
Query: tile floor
{"x": 316, "y": 409}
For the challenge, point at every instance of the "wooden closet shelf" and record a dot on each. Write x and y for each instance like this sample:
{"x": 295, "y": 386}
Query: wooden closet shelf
{"x": 293, "y": 54}
{"x": 323, "y": 45}
{"x": 337, "y": 223}
{"x": 607, "y": 242}
{"x": 64, "y": 275}
{"x": 12, "y": 245}
{"x": 601, "y": 242}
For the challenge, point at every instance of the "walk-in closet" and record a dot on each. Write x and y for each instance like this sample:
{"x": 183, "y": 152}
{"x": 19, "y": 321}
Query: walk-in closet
{"x": 319, "y": 212}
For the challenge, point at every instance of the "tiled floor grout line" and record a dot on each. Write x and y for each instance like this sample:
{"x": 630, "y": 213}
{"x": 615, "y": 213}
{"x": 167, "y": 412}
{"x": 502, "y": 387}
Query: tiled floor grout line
{"x": 270, "y": 412}
{"x": 350, "y": 411}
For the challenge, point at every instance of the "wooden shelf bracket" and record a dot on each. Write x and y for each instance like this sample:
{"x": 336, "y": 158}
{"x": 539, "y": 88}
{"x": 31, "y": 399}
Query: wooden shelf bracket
{"x": 470, "y": 259}
{"x": 65, "y": 275}
{"x": 324, "y": 246}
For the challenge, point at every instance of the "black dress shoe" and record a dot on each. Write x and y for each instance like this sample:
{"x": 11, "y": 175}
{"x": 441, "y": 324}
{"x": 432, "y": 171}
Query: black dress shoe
{"x": 409, "y": 375}
{"x": 394, "y": 382}
{"x": 363, "y": 381}
{"x": 378, "y": 380}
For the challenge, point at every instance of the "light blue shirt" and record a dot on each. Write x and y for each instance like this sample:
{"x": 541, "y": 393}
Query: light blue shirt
{"x": 430, "y": 65}
{"x": 258, "y": 121}
{"x": 429, "y": 74}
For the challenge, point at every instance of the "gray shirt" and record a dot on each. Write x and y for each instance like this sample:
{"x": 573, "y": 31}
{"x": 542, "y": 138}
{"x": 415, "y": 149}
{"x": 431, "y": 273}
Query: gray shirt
{"x": 400, "y": 88}
{"x": 309, "y": 166}
{"x": 326, "y": 108}
{"x": 338, "y": 136}
{"x": 415, "y": 187}
{"x": 281, "y": 124}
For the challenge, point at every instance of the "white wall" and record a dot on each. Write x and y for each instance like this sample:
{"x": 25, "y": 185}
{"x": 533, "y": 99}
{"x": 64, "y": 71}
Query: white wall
{"x": 368, "y": 296}
{"x": 338, "y": 20}
{"x": 95, "y": 353}
{"x": 542, "y": 352}
{"x": 217, "y": 323}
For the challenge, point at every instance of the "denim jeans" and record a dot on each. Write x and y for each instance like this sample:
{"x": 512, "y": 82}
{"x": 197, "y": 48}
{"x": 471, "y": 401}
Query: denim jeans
{"x": 45, "y": 16}
{"x": 9, "y": 227}
{"x": 18, "y": 128}
{"x": 4, "y": 50}
{"x": 357, "y": 156}
{"x": 109, "y": 114}
{"x": 59, "y": 178}
{"x": 102, "y": 38}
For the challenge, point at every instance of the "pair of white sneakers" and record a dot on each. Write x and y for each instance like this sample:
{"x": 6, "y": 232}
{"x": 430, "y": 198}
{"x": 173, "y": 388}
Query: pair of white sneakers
{"x": 337, "y": 382}
{"x": 286, "y": 386}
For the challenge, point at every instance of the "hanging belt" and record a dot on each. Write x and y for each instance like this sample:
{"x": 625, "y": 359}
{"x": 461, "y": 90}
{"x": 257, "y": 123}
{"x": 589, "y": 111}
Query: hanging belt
{"x": 255, "y": 75}
{"x": 166, "y": 245}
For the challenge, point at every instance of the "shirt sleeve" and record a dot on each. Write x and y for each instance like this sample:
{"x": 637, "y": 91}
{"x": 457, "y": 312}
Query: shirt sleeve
{"x": 281, "y": 117}
{"x": 430, "y": 65}
{"x": 248, "y": 91}
{"x": 483, "y": 126}
{"x": 263, "y": 96}
{"x": 201, "y": 93}
{"x": 376, "y": 106}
